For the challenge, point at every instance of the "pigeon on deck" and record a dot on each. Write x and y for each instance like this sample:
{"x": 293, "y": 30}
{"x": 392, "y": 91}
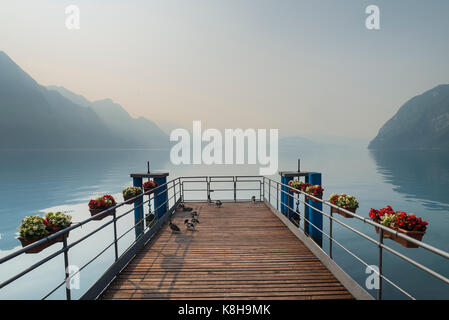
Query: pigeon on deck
{"x": 194, "y": 214}
{"x": 174, "y": 227}
{"x": 253, "y": 199}
{"x": 190, "y": 226}
{"x": 218, "y": 203}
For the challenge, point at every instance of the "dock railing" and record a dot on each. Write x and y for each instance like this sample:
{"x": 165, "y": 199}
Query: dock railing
{"x": 212, "y": 187}
{"x": 120, "y": 261}
{"x": 275, "y": 187}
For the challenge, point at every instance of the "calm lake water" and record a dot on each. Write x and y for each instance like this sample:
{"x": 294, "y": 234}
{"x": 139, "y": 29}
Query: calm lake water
{"x": 34, "y": 182}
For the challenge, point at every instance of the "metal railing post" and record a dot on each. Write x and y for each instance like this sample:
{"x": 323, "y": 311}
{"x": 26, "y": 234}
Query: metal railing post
{"x": 115, "y": 237}
{"x": 381, "y": 238}
{"x": 182, "y": 191}
{"x": 269, "y": 191}
{"x": 261, "y": 190}
{"x": 235, "y": 189}
{"x": 66, "y": 266}
{"x": 174, "y": 193}
{"x": 330, "y": 234}
{"x": 277, "y": 196}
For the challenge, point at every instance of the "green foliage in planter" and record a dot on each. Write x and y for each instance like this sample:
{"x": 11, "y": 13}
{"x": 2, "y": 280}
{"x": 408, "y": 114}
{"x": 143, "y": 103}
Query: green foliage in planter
{"x": 388, "y": 219}
{"x": 58, "y": 219}
{"x": 131, "y": 191}
{"x": 344, "y": 201}
{"x": 33, "y": 227}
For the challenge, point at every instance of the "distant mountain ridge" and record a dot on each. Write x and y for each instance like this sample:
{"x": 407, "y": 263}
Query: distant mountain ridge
{"x": 119, "y": 121}
{"x": 32, "y": 116}
{"x": 421, "y": 123}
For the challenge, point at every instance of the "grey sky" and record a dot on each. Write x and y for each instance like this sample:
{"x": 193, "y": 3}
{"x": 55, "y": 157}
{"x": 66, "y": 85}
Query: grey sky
{"x": 301, "y": 66}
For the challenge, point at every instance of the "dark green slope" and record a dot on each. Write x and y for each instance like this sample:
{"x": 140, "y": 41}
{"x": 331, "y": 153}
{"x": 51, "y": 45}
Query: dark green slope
{"x": 421, "y": 123}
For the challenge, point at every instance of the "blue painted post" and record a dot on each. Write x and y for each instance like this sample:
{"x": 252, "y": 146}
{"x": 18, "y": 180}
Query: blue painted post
{"x": 283, "y": 196}
{"x": 160, "y": 197}
{"x": 138, "y": 209}
{"x": 315, "y": 217}
{"x": 286, "y": 198}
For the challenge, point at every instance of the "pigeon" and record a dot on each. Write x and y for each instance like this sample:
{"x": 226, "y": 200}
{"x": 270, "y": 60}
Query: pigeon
{"x": 194, "y": 214}
{"x": 253, "y": 199}
{"x": 190, "y": 226}
{"x": 218, "y": 203}
{"x": 195, "y": 221}
{"x": 186, "y": 209}
{"x": 174, "y": 227}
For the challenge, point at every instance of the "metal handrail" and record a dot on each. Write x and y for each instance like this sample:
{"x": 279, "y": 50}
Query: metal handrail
{"x": 151, "y": 193}
{"x": 272, "y": 185}
{"x": 379, "y": 243}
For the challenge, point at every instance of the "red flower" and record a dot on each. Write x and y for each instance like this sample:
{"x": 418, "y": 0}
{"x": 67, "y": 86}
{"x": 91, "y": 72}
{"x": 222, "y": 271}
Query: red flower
{"x": 101, "y": 203}
{"x": 403, "y": 221}
{"x": 150, "y": 184}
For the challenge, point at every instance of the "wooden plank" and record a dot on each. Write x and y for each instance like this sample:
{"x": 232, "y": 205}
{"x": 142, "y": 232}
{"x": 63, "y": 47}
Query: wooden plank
{"x": 239, "y": 251}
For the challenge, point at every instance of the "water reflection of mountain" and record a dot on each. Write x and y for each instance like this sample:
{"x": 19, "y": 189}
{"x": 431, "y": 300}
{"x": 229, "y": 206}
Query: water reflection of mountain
{"x": 31, "y": 180}
{"x": 422, "y": 174}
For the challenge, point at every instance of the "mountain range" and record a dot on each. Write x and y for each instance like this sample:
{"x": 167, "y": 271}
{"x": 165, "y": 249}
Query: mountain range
{"x": 421, "y": 123}
{"x": 35, "y": 116}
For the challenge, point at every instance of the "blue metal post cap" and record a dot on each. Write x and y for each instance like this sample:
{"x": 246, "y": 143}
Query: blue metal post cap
{"x": 149, "y": 175}
{"x": 291, "y": 174}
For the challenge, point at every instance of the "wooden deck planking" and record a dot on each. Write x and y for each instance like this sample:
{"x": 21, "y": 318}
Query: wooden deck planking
{"x": 239, "y": 251}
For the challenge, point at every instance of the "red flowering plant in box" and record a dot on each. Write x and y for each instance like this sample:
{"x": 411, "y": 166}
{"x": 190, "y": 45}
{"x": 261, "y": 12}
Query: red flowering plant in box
{"x": 409, "y": 222}
{"x": 100, "y": 204}
{"x": 315, "y": 190}
{"x": 409, "y": 225}
{"x": 401, "y": 222}
{"x": 304, "y": 186}
{"x": 150, "y": 184}
{"x": 377, "y": 215}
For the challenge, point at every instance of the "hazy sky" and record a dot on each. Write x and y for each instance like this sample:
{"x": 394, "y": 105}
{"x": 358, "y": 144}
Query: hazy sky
{"x": 301, "y": 66}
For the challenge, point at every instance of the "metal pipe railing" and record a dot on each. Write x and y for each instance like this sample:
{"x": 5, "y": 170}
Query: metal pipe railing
{"x": 379, "y": 243}
{"x": 66, "y": 246}
{"x": 262, "y": 182}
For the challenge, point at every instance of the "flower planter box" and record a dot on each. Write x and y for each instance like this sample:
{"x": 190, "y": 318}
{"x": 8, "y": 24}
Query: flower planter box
{"x": 149, "y": 189}
{"x": 387, "y": 234}
{"x": 39, "y": 248}
{"x": 293, "y": 190}
{"x": 97, "y": 211}
{"x": 127, "y": 201}
{"x": 316, "y": 196}
{"x": 340, "y": 212}
{"x": 418, "y": 235}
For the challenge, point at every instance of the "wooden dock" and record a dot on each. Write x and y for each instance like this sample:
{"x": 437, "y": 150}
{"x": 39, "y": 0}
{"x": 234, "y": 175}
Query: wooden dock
{"x": 239, "y": 251}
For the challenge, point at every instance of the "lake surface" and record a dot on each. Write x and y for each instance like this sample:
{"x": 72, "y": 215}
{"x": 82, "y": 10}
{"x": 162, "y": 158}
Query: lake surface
{"x": 33, "y": 182}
